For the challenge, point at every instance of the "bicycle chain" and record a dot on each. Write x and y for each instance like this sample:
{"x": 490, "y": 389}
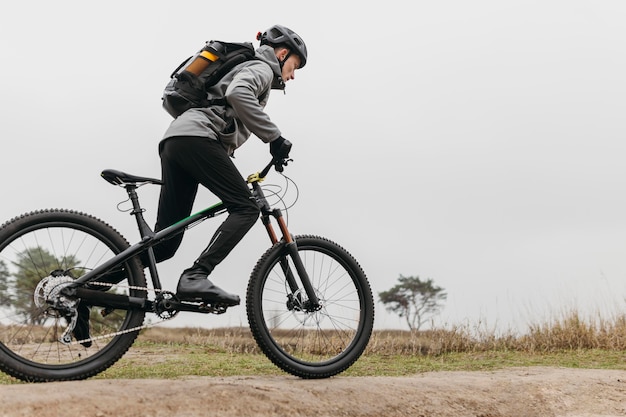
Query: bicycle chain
{"x": 121, "y": 332}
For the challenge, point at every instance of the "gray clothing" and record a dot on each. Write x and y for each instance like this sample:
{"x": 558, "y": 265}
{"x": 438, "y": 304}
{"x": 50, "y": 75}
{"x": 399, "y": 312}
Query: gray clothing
{"x": 246, "y": 89}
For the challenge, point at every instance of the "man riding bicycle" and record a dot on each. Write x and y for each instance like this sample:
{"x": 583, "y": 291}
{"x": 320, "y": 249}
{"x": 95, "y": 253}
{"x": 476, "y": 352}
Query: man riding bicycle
{"x": 197, "y": 149}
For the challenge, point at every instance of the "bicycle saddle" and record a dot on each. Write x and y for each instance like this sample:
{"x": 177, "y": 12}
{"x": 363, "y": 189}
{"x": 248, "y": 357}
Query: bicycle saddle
{"x": 116, "y": 177}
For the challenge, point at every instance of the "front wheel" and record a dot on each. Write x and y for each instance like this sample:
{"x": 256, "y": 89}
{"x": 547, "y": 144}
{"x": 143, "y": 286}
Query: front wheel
{"x": 303, "y": 341}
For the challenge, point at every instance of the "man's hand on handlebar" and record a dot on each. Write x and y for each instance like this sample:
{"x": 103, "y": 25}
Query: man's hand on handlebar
{"x": 280, "y": 149}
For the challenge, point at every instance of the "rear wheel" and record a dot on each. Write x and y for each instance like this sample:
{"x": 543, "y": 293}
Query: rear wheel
{"x": 304, "y": 341}
{"x": 40, "y": 252}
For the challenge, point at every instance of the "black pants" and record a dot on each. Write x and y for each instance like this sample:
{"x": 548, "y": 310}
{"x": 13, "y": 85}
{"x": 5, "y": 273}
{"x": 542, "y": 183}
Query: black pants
{"x": 185, "y": 163}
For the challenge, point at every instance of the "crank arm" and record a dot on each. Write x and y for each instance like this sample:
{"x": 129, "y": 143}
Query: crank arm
{"x": 193, "y": 307}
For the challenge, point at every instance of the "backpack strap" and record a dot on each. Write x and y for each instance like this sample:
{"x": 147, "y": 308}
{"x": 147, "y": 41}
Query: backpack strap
{"x": 226, "y": 67}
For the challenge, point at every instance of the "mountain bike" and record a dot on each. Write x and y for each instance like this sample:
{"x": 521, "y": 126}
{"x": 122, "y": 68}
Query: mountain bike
{"x": 308, "y": 302}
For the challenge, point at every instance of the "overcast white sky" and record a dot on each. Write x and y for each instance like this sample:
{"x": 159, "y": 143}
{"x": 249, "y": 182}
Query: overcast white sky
{"x": 477, "y": 143}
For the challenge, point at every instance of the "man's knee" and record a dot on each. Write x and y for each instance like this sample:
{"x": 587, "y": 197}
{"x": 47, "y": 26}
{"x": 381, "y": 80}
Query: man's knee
{"x": 252, "y": 214}
{"x": 248, "y": 214}
{"x": 247, "y": 208}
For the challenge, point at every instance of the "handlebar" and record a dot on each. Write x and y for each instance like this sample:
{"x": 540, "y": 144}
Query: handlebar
{"x": 279, "y": 165}
{"x": 278, "y": 162}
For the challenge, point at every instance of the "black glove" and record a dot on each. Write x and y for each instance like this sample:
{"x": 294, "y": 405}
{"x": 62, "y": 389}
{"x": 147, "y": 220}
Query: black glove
{"x": 280, "y": 148}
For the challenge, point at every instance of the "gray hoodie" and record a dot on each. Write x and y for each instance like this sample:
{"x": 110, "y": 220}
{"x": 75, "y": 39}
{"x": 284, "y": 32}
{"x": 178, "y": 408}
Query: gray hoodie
{"x": 246, "y": 89}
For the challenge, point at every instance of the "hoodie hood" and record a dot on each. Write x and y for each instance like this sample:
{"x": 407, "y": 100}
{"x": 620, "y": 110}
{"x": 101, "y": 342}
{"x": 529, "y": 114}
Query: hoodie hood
{"x": 266, "y": 54}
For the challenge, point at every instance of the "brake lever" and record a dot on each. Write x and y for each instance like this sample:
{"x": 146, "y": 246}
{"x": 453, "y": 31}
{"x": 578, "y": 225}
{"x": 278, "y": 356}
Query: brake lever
{"x": 280, "y": 164}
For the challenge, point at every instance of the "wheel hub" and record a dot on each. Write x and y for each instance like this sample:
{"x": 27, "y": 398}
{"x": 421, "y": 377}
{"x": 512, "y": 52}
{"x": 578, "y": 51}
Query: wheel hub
{"x": 48, "y": 294}
{"x": 48, "y": 297}
{"x": 303, "y": 310}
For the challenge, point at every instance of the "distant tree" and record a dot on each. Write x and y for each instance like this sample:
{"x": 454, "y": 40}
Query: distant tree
{"x": 414, "y": 299}
{"x": 5, "y": 297}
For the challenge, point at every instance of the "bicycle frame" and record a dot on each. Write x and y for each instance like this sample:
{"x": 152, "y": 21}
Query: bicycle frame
{"x": 149, "y": 238}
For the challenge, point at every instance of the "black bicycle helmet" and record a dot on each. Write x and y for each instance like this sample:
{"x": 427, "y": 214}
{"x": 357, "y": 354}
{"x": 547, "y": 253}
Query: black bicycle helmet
{"x": 279, "y": 35}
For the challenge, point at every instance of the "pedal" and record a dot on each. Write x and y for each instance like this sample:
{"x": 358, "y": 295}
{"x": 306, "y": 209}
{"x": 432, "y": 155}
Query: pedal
{"x": 208, "y": 308}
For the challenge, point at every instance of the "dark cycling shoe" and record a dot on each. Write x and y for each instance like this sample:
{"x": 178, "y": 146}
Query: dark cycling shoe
{"x": 81, "y": 330}
{"x": 194, "y": 286}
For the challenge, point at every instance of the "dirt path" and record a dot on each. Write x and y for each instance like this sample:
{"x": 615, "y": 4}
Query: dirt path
{"x": 526, "y": 392}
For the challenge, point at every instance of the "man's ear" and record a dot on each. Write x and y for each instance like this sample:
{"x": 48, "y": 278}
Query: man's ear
{"x": 282, "y": 53}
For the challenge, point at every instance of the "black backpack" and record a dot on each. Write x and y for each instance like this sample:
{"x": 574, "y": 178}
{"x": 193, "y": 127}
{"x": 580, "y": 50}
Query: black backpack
{"x": 189, "y": 82}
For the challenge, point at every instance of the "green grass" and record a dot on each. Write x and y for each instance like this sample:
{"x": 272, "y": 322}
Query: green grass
{"x": 183, "y": 361}
{"x": 567, "y": 342}
{"x": 194, "y": 363}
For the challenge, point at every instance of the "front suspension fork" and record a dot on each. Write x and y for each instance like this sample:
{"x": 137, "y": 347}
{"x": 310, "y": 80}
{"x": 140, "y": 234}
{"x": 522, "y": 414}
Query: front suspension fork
{"x": 291, "y": 249}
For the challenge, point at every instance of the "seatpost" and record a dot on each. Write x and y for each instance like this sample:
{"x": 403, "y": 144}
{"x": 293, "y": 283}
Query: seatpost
{"x": 137, "y": 211}
{"x": 145, "y": 231}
